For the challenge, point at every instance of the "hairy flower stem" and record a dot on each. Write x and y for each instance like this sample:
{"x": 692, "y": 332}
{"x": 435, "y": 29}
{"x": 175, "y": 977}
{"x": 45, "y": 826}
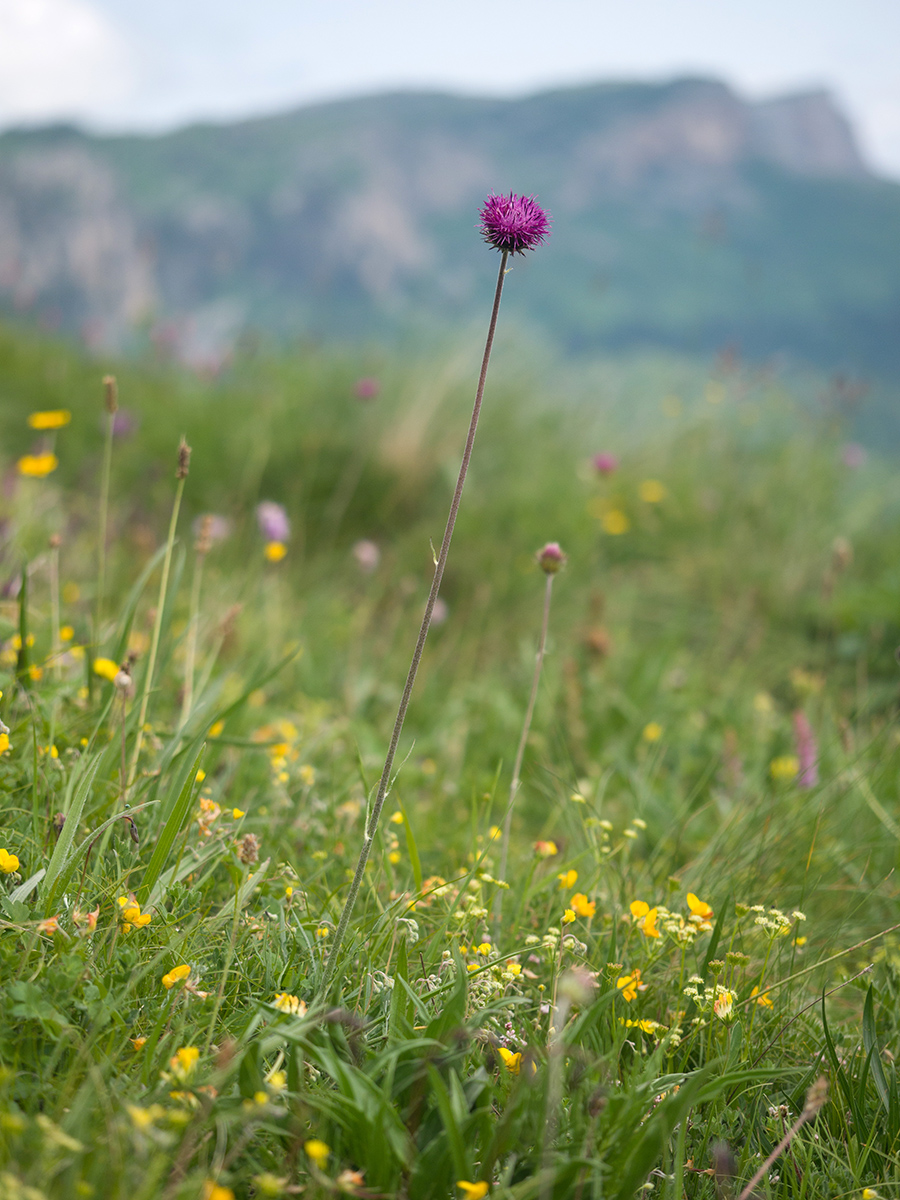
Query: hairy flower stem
{"x": 816, "y": 1098}
{"x": 101, "y": 533}
{"x": 385, "y": 781}
{"x": 154, "y": 641}
{"x": 520, "y": 752}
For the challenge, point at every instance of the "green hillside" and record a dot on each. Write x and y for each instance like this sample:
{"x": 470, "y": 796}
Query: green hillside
{"x": 686, "y": 218}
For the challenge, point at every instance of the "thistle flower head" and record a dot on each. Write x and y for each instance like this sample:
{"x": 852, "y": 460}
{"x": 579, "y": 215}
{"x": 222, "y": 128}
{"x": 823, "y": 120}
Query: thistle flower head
{"x": 551, "y": 558}
{"x": 273, "y": 521}
{"x": 513, "y": 223}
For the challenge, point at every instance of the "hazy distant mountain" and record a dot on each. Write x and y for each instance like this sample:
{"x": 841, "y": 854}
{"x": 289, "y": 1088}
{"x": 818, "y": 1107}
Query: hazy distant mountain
{"x": 683, "y": 215}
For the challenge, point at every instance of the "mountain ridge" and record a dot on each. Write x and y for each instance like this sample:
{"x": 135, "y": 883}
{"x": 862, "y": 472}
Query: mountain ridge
{"x": 677, "y": 207}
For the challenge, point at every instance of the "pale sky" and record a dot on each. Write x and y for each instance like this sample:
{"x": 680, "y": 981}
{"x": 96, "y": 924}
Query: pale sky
{"x": 155, "y": 64}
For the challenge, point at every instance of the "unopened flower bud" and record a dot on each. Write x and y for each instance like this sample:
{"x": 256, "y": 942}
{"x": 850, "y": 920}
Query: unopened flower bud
{"x": 551, "y": 558}
{"x": 184, "y": 460}
{"x": 248, "y": 848}
{"x": 110, "y": 393}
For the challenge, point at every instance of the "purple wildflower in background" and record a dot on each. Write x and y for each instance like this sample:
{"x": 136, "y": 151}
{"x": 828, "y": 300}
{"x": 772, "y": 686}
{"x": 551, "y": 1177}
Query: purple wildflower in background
{"x": 273, "y": 521}
{"x": 367, "y": 388}
{"x": 807, "y": 751}
{"x": 514, "y": 223}
{"x": 367, "y": 555}
{"x": 853, "y": 455}
{"x": 605, "y": 463}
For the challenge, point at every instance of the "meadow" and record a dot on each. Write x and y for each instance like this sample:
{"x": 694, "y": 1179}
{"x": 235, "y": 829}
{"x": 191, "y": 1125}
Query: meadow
{"x": 691, "y": 967}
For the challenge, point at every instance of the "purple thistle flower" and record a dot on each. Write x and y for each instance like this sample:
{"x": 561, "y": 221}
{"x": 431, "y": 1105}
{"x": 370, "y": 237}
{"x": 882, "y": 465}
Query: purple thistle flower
{"x": 807, "y": 751}
{"x": 273, "y": 521}
{"x": 605, "y": 463}
{"x": 551, "y": 558}
{"x": 514, "y": 223}
{"x": 367, "y": 388}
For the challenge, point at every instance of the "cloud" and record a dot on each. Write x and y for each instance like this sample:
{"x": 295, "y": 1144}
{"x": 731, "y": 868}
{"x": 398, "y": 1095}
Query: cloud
{"x": 59, "y": 58}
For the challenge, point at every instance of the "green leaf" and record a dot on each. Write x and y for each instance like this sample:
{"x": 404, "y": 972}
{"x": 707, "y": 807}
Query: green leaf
{"x": 67, "y": 835}
{"x": 174, "y": 823}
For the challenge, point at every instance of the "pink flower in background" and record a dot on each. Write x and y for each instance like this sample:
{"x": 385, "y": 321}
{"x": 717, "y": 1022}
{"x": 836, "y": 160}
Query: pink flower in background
{"x": 853, "y": 455}
{"x": 273, "y": 521}
{"x": 440, "y": 612}
{"x": 367, "y": 555}
{"x": 807, "y": 751}
{"x": 367, "y": 388}
{"x": 551, "y": 558}
{"x": 605, "y": 463}
{"x": 513, "y": 223}
{"x": 212, "y": 526}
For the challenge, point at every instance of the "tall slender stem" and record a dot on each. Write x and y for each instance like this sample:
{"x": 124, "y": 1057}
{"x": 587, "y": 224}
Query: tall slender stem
{"x": 191, "y": 653}
{"x": 101, "y": 533}
{"x": 157, "y": 626}
{"x": 523, "y": 740}
{"x": 384, "y": 782}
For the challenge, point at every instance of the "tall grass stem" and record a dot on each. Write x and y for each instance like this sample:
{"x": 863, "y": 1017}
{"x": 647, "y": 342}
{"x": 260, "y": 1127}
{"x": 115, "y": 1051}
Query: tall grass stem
{"x": 105, "y": 474}
{"x": 384, "y": 783}
{"x": 523, "y": 740}
{"x": 157, "y": 626}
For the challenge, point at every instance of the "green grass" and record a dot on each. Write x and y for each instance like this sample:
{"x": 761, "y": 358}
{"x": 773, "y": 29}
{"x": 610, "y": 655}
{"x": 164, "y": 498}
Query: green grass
{"x": 679, "y": 652}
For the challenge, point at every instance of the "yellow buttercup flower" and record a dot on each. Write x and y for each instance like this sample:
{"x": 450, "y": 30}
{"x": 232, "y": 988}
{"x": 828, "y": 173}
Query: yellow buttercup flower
{"x": 645, "y": 917}
{"x": 237, "y": 813}
{"x": 175, "y": 975}
{"x": 651, "y": 491}
{"x": 472, "y": 1191}
{"x": 317, "y": 1151}
{"x": 106, "y": 668}
{"x": 37, "y": 466}
{"x": 512, "y": 1061}
{"x": 652, "y": 732}
{"x": 54, "y": 418}
{"x": 8, "y": 862}
{"x": 763, "y": 999}
{"x": 215, "y": 1191}
{"x": 615, "y": 522}
{"x": 628, "y": 985}
{"x": 66, "y": 633}
{"x": 784, "y": 768}
{"x": 275, "y": 551}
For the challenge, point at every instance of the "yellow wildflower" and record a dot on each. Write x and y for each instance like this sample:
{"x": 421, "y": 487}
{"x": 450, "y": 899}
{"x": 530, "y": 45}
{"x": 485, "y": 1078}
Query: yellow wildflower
{"x": 66, "y": 633}
{"x": 106, "y": 668}
{"x": 175, "y": 975}
{"x": 723, "y": 1005}
{"x": 652, "y": 732}
{"x": 216, "y": 728}
{"x": 651, "y": 491}
{"x": 615, "y": 522}
{"x": 763, "y": 999}
{"x": 215, "y": 1191}
{"x": 48, "y": 925}
{"x": 35, "y": 672}
{"x": 131, "y": 914}
{"x": 568, "y": 917}
{"x": 511, "y": 1061}
{"x": 36, "y": 466}
{"x": 567, "y": 880}
{"x": 237, "y": 813}
{"x": 397, "y": 817}
{"x": 323, "y": 932}
{"x": 4, "y": 744}
{"x": 472, "y": 1191}
{"x": 139, "y": 1043}
{"x": 184, "y": 1060}
{"x": 307, "y": 775}
{"x": 52, "y": 419}
{"x": 546, "y": 849}
{"x": 583, "y": 906}
{"x": 275, "y": 551}
{"x": 699, "y": 908}
{"x": 287, "y": 1003}
{"x": 784, "y": 767}
{"x": 317, "y": 1151}
{"x": 495, "y": 833}
{"x": 645, "y": 917}
{"x": 628, "y": 985}
{"x": 8, "y": 862}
